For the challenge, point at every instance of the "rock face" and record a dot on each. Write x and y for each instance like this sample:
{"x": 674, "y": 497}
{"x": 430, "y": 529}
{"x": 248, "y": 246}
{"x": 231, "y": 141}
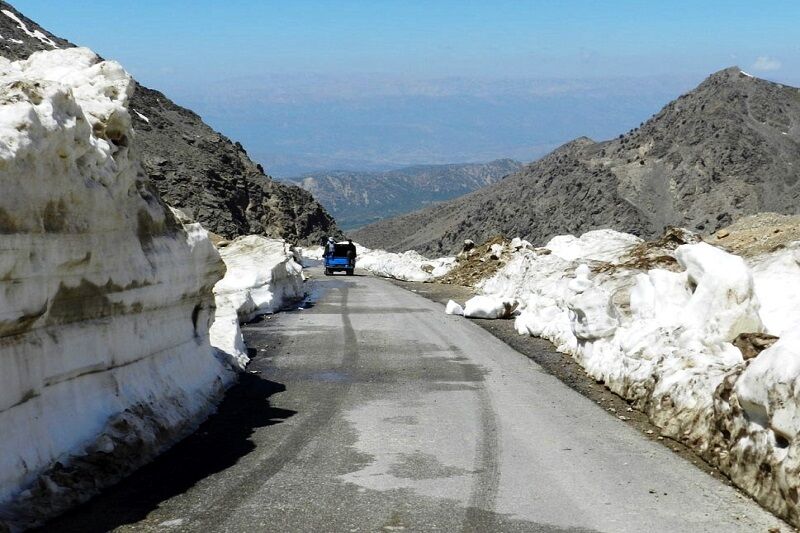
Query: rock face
{"x": 193, "y": 167}
{"x": 729, "y": 148}
{"x": 105, "y": 298}
{"x": 359, "y": 198}
{"x": 213, "y": 180}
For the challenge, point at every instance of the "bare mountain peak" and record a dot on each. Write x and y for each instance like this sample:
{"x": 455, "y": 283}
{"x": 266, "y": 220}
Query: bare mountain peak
{"x": 728, "y": 148}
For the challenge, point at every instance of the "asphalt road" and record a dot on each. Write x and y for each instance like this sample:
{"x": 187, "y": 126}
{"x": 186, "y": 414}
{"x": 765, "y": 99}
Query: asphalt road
{"x": 372, "y": 410}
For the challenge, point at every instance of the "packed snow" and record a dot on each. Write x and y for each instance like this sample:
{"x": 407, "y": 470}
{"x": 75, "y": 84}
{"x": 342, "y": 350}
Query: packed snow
{"x": 105, "y": 298}
{"x": 453, "y": 308}
{"x": 487, "y": 306}
{"x": 663, "y": 338}
{"x": 262, "y": 277}
{"x": 406, "y": 266}
{"x": 310, "y": 256}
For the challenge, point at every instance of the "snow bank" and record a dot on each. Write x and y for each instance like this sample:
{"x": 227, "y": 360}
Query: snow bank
{"x": 453, "y": 308}
{"x": 407, "y": 266}
{"x": 310, "y": 256}
{"x": 491, "y": 307}
{"x": 105, "y": 299}
{"x": 663, "y": 338}
{"x": 777, "y": 287}
{"x": 262, "y": 277}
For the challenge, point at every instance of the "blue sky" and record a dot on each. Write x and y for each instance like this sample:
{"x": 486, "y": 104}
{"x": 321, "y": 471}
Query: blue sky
{"x": 287, "y": 55}
{"x": 431, "y": 38}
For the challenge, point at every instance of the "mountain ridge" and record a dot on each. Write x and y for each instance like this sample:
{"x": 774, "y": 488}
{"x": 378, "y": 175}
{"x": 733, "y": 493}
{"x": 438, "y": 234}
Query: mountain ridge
{"x": 357, "y": 198}
{"x": 194, "y": 167}
{"x": 726, "y": 149}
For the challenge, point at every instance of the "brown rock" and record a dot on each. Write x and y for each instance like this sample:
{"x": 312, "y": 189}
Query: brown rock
{"x": 752, "y": 344}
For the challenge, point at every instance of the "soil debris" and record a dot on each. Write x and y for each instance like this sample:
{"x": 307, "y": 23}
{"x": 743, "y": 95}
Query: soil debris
{"x": 757, "y": 234}
{"x": 475, "y": 263}
{"x": 652, "y": 254}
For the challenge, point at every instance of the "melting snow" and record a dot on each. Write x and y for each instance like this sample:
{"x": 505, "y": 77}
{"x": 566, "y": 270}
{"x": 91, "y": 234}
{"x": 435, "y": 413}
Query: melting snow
{"x": 664, "y": 340}
{"x": 142, "y": 116}
{"x": 262, "y": 277}
{"x": 16, "y": 41}
{"x": 35, "y": 33}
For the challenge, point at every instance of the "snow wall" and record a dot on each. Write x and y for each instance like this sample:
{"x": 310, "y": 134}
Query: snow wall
{"x": 105, "y": 298}
{"x": 657, "y": 324}
{"x": 262, "y": 277}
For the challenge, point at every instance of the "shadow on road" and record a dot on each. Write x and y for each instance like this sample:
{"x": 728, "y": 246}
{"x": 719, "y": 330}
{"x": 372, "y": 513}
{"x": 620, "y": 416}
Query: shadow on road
{"x": 217, "y": 444}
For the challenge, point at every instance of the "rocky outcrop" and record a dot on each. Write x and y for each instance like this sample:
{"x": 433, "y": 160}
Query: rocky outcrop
{"x": 213, "y": 180}
{"x": 192, "y": 166}
{"x": 729, "y": 148}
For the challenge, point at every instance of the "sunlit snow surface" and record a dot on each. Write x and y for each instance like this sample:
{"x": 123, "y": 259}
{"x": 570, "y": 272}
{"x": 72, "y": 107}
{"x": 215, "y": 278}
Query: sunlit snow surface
{"x": 105, "y": 299}
{"x": 663, "y": 339}
{"x": 262, "y": 277}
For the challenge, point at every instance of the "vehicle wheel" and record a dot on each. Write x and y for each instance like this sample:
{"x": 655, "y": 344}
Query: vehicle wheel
{"x": 349, "y": 272}
{"x": 327, "y": 271}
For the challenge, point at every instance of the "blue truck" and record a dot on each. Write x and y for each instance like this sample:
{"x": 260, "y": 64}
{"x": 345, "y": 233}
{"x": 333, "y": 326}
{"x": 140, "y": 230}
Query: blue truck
{"x": 341, "y": 260}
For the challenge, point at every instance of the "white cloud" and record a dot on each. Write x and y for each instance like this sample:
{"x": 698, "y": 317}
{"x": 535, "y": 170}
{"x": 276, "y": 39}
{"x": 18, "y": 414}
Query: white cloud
{"x": 765, "y": 63}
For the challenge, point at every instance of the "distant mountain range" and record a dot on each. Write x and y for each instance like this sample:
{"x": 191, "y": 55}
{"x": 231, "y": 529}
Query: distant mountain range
{"x": 728, "y": 148}
{"x": 296, "y": 125}
{"x": 194, "y": 167}
{"x": 359, "y": 198}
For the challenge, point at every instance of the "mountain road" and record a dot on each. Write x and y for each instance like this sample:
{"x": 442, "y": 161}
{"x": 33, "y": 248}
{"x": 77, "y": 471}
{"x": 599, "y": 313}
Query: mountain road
{"x": 369, "y": 409}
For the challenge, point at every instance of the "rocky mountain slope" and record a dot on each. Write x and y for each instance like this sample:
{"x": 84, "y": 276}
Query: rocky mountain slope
{"x": 358, "y": 198}
{"x": 728, "y": 148}
{"x": 194, "y": 167}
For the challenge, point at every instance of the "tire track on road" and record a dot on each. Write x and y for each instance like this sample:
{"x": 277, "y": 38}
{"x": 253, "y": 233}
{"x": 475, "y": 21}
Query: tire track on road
{"x": 218, "y": 513}
{"x": 479, "y": 514}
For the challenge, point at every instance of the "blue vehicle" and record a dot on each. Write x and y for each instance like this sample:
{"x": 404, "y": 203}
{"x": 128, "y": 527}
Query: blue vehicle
{"x": 343, "y": 259}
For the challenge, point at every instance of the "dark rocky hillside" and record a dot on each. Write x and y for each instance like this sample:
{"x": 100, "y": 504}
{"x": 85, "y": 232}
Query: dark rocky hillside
{"x": 729, "y": 148}
{"x": 359, "y": 198}
{"x": 194, "y": 167}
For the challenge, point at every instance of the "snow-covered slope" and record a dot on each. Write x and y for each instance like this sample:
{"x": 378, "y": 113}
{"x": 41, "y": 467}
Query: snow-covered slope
{"x": 657, "y": 322}
{"x": 262, "y": 278}
{"x": 105, "y": 298}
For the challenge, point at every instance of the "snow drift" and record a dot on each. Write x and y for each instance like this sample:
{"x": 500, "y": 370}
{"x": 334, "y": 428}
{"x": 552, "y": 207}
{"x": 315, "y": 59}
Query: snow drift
{"x": 262, "y": 277}
{"x": 105, "y": 298}
{"x": 657, "y": 324}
